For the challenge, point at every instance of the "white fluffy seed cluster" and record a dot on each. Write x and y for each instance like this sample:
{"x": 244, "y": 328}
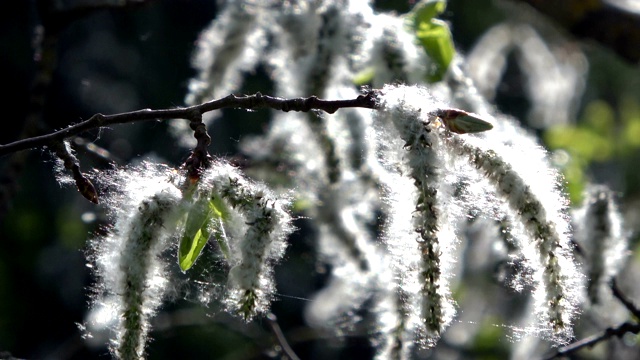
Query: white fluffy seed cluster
{"x": 422, "y": 252}
{"x": 559, "y": 287}
{"x": 264, "y": 223}
{"x": 131, "y": 271}
{"x": 131, "y": 261}
{"x": 143, "y": 244}
{"x": 603, "y": 240}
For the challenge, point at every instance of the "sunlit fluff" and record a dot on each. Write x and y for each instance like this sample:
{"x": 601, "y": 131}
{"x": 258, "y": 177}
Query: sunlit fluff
{"x": 521, "y": 178}
{"x": 131, "y": 272}
{"x": 423, "y": 267}
{"x": 265, "y": 226}
{"x": 540, "y": 209}
{"x": 603, "y": 240}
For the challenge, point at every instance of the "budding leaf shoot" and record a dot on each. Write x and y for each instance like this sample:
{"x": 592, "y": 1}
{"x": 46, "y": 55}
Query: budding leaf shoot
{"x": 204, "y": 220}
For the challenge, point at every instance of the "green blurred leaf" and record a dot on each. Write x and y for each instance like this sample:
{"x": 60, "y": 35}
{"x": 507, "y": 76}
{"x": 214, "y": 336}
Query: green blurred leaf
{"x": 596, "y": 138}
{"x": 426, "y": 10}
{"x": 195, "y": 234}
{"x": 580, "y": 141}
{"x": 219, "y": 208}
{"x": 630, "y": 119}
{"x": 576, "y": 179}
{"x": 300, "y": 204}
{"x": 600, "y": 117}
{"x": 437, "y": 42}
{"x": 365, "y": 76}
{"x": 631, "y": 134}
{"x": 434, "y": 35}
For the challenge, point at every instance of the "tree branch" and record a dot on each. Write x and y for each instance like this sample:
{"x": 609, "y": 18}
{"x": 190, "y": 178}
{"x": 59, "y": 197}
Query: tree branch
{"x": 618, "y": 331}
{"x": 72, "y": 164}
{"x": 255, "y": 101}
{"x": 608, "y": 333}
{"x": 282, "y": 340}
{"x": 623, "y": 299}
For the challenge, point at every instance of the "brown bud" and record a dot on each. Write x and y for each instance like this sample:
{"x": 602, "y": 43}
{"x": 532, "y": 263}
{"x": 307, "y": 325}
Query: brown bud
{"x": 87, "y": 189}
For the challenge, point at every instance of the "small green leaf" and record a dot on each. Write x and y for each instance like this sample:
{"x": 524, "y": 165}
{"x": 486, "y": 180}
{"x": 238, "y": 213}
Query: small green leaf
{"x": 425, "y": 11}
{"x": 433, "y": 34}
{"x": 436, "y": 40}
{"x": 203, "y": 219}
{"x": 365, "y": 76}
{"x": 219, "y": 207}
{"x": 301, "y": 204}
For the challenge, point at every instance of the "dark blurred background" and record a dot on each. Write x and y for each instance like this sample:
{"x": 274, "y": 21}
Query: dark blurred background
{"x": 123, "y": 59}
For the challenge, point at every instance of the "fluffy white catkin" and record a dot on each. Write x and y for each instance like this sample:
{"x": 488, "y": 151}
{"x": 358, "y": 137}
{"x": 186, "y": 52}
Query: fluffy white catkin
{"x": 266, "y": 226}
{"x": 132, "y": 277}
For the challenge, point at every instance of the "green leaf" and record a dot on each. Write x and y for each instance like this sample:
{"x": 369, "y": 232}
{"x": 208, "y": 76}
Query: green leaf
{"x": 433, "y": 34}
{"x": 195, "y": 234}
{"x": 425, "y": 11}
{"x": 436, "y": 40}
{"x": 365, "y": 76}
{"x": 204, "y": 218}
{"x": 219, "y": 207}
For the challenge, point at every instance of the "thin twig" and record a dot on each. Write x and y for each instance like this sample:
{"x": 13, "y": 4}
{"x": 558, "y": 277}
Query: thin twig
{"x": 256, "y": 101}
{"x": 199, "y": 158}
{"x": 623, "y": 299}
{"x": 618, "y": 331}
{"x": 608, "y": 333}
{"x": 72, "y": 164}
{"x": 273, "y": 323}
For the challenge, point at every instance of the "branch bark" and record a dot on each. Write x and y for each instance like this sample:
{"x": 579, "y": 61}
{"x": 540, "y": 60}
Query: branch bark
{"x": 256, "y": 101}
{"x": 608, "y": 333}
{"x": 618, "y": 331}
